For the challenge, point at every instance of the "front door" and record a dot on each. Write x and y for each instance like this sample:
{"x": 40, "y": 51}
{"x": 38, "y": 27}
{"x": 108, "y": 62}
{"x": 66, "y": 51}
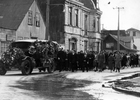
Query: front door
{"x": 73, "y": 44}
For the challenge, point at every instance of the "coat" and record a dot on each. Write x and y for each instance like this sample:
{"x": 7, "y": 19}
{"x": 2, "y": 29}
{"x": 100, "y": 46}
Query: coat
{"x": 111, "y": 62}
{"x": 118, "y": 59}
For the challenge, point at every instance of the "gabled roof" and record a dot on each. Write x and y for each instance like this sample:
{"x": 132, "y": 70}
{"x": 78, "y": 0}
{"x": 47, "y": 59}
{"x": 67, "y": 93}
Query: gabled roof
{"x": 133, "y": 29}
{"x": 12, "y": 12}
{"x": 115, "y": 37}
{"x": 126, "y": 38}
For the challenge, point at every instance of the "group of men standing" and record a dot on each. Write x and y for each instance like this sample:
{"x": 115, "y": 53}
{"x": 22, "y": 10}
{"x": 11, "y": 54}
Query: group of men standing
{"x": 73, "y": 61}
{"x": 85, "y": 61}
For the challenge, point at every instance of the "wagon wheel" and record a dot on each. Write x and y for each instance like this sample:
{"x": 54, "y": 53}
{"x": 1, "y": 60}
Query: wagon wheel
{"x": 26, "y": 67}
{"x": 51, "y": 66}
{"x": 2, "y": 69}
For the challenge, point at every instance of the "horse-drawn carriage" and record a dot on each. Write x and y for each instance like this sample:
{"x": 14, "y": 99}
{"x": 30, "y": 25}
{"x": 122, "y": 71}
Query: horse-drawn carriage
{"x": 26, "y": 55}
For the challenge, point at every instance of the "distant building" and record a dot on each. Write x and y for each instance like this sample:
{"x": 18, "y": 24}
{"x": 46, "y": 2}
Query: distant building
{"x": 126, "y": 44}
{"x": 113, "y": 32}
{"x": 20, "y": 19}
{"x": 133, "y": 32}
{"x": 128, "y": 41}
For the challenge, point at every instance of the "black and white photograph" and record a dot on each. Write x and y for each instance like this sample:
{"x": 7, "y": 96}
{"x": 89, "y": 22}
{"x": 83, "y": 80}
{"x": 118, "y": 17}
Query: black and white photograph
{"x": 69, "y": 50}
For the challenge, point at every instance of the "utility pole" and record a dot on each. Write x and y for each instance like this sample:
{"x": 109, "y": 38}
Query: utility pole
{"x": 118, "y": 33}
{"x": 47, "y": 35}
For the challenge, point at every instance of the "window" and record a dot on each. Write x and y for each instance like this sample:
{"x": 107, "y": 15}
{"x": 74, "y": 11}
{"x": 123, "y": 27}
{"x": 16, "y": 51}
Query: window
{"x": 109, "y": 45}
{"x": 4, "y": 46}
{"x": 30, "y": 17}
{"x": 85, "y": 45}
{"x": 37, "y": 20}
{"x": 98, "y": 22}
{"x": 94, "y": 23}
{"x": 85, "y": 25}
{"x": 21, "y": 45}
{"x": 70, "y": 15}
{"x": 134, "y": 33}
{"x": 76, "y": 17}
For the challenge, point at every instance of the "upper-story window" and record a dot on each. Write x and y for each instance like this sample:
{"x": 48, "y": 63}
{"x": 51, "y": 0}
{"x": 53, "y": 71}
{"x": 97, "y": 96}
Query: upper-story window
{"x": 37, "y": 19}
{"x": 30, "y": 17}
{"x": 134, "y": 33}
{"x": 98, "y": 24}
{"x": 70, "y": 15}
{"x": 76, "y": 17}
{"x": 94, "y": 23}
{"x": 85, "y": 25}
{"x": 85, "y": 45}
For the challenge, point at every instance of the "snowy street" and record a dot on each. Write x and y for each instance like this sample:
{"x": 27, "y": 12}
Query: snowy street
{"x": 104, "y": 93}
{"x": 63, "y": 86}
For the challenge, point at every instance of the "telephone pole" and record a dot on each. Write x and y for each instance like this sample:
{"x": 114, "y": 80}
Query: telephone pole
{"x": 118, "y": 33}
{"x": 47, "y": 35}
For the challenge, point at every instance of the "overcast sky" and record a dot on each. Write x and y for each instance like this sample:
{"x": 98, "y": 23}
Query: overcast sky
{"x": 129, "y": 16}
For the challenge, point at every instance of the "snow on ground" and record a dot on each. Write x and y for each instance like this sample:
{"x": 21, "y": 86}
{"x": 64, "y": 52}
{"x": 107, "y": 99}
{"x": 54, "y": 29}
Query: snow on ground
{"x": 96, "y": 89}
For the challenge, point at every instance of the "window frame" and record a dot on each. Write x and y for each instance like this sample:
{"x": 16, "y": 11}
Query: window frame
{"x": 85, "y": 23}
{"x": 76, "y": 17}
{"x": 134, "y": 33}
{"x": 37, "y": 19}
{"x": 85, "y": 45}
{"x": 30, "y": 17}
{"x": 70, "y": 15}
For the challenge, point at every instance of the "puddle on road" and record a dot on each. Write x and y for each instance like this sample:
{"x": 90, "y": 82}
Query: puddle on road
{"x": 56, "y": 87}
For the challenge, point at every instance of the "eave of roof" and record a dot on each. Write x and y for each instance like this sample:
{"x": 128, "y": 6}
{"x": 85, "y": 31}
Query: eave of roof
{"x": 122, "y": 44}
{"x": 133, "y": 29}
{"x": 126, "y": 38}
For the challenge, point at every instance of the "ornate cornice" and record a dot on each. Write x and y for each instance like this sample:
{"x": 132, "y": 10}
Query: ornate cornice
{"x": 97, "y": 11}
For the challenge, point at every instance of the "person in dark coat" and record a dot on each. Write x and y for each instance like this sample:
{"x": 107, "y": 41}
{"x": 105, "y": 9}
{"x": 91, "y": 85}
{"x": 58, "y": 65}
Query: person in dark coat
{"x": 74, "y": 61}
{"x": 70, "y": 60}
{"x": 67, "y": 60}
{"x": 95, "y": 61}
{"x": 78, "y": 61}
{"x": 118, "y": 59}
{"x": 90, "y": 58}
{"x": 137, "y": 60}
{"x": 85, "y": 63}
{"x": 124, "y": 61}
{"x": 132, "y": 60}
{"x": 81, "y": 57}
{"x": 101, "y": 61}
{"x": 111, "y": 62}
{"x": 61, "y": 59}
{"x": 106, "y": 59}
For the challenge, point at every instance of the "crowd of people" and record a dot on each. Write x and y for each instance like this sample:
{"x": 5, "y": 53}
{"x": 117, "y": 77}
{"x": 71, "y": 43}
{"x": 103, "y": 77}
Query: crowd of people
{"x": 86, "y": 61}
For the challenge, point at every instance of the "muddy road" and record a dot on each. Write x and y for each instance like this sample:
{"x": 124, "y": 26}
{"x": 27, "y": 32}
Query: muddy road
{"x": 41, "y": 86}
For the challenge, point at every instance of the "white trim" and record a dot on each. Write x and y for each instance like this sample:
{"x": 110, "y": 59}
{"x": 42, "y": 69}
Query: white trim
{"x": 93, "y": 4}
